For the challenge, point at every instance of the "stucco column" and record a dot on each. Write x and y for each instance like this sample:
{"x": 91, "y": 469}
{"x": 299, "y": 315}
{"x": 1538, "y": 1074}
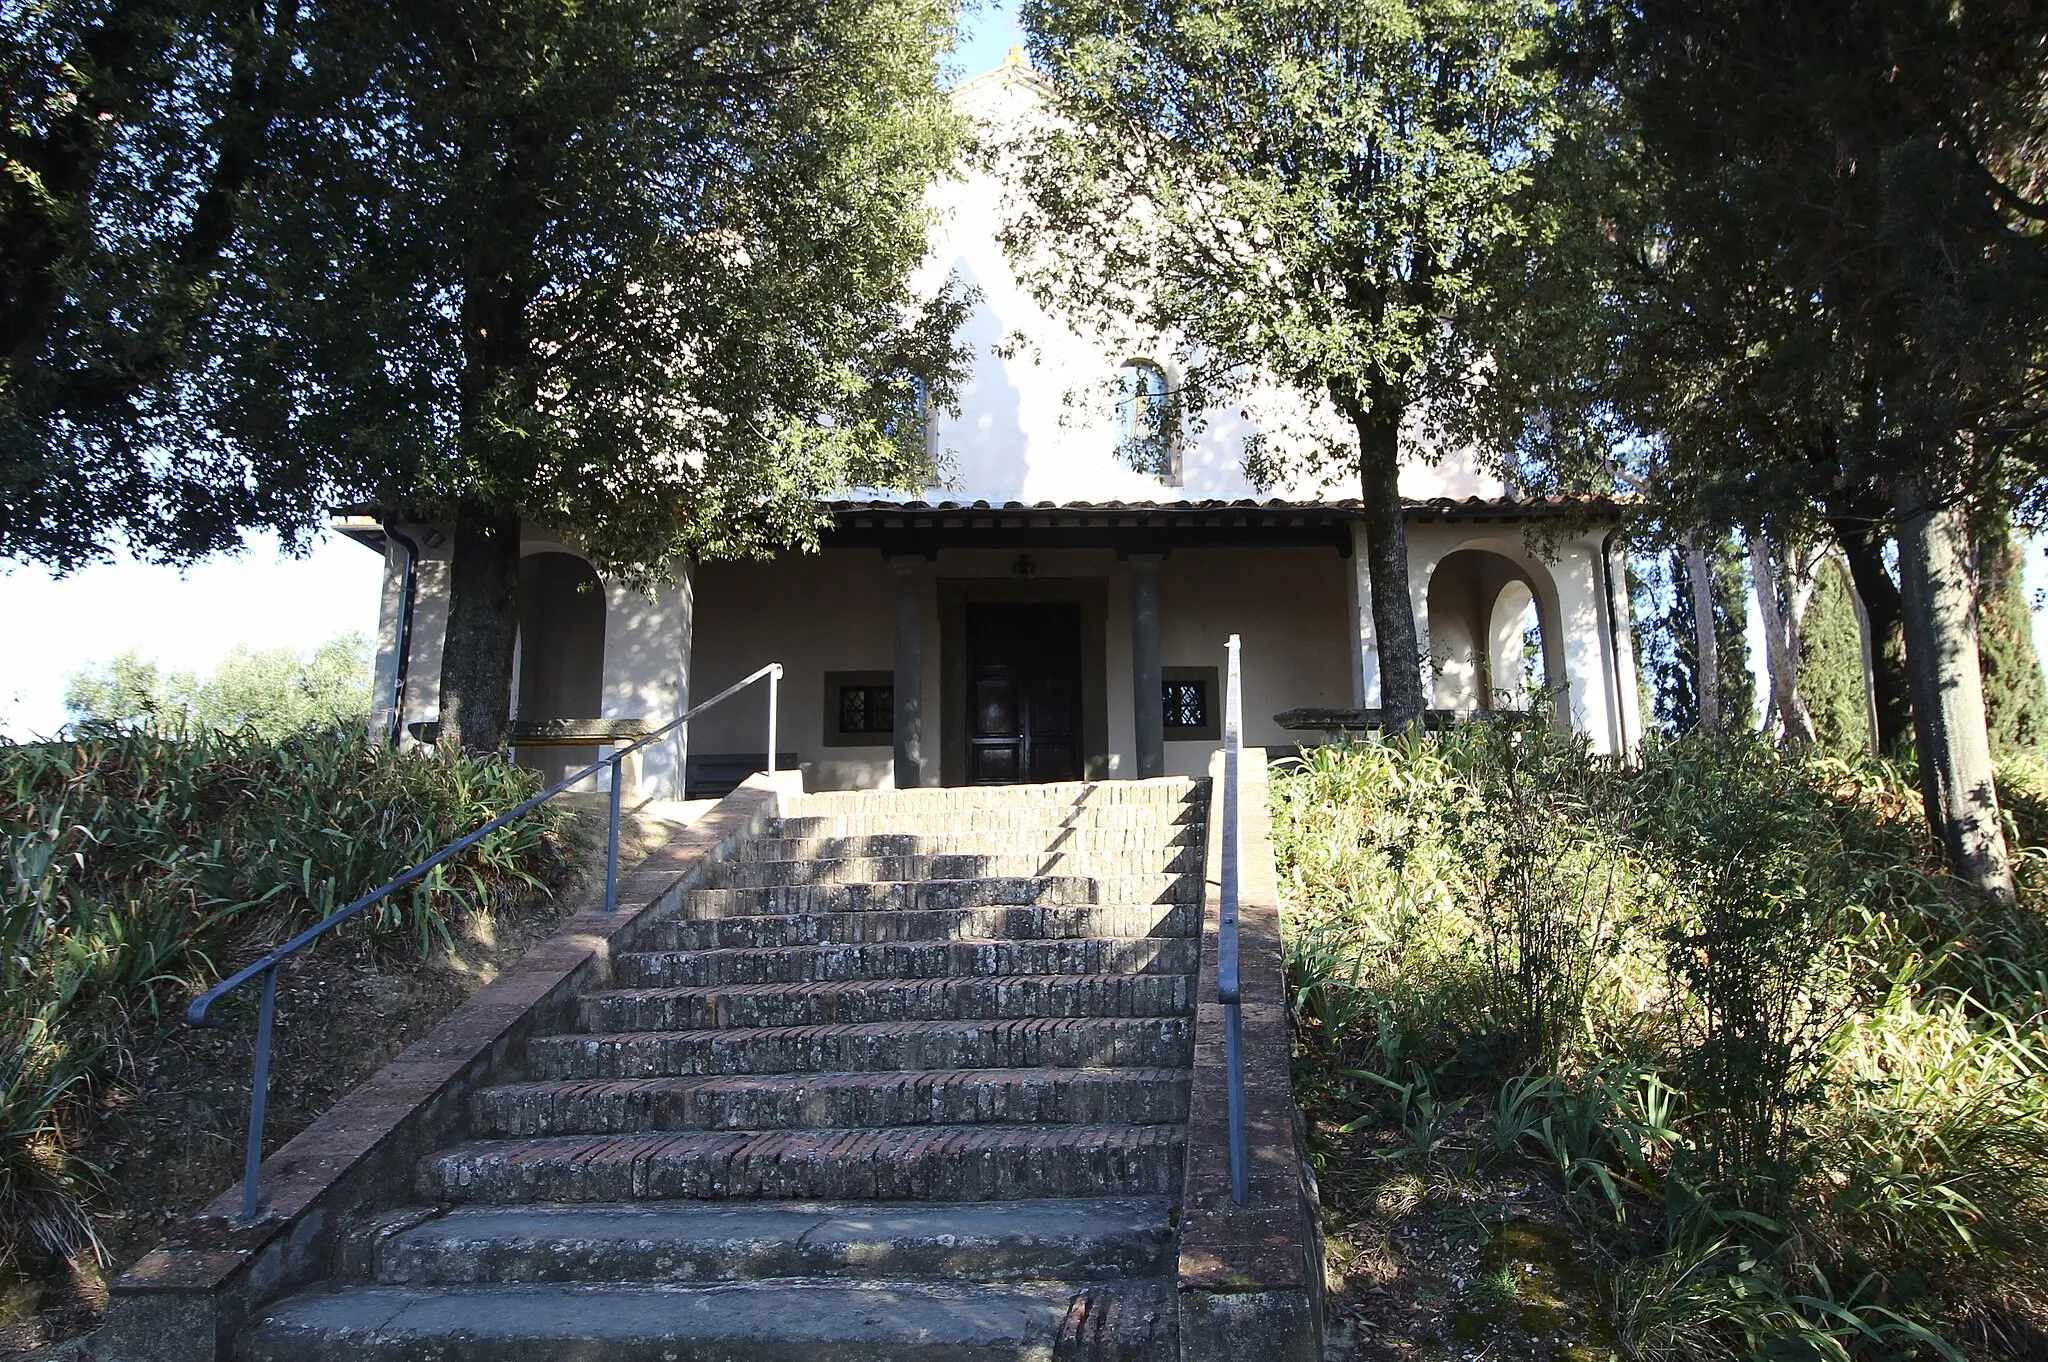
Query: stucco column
{"x": 910, "y": 576}
{"x": 1148, "y": 722}
{"x": 1361, "y": 645}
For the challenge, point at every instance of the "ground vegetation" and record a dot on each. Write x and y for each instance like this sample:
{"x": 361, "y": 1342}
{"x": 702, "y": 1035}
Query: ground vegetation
{"x": 140, "y": 864}
{"x": 1715, "y": 1025}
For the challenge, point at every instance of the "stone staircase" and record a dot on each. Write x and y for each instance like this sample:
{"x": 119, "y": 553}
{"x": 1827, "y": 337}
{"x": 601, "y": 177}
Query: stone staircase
{"x": 905, "y": 1077}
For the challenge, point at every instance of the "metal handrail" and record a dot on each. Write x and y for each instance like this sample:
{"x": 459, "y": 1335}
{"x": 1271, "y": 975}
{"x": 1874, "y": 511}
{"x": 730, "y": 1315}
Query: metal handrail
{"x": 199, "y": 1013}
{"x": 1227, "y": 988}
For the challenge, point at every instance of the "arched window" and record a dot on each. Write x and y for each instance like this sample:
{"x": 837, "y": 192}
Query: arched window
{"x": 1141, "y": 424}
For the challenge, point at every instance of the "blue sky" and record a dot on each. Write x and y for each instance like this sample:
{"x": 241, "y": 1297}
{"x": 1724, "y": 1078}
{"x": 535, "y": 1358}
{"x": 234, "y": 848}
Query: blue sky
{"x": 192, "y": 618}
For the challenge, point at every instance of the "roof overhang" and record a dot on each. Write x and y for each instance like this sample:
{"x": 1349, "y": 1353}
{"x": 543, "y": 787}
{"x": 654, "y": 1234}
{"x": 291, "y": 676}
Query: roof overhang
{"x": 917, "y": 527}
{"x": 924, "y": 528}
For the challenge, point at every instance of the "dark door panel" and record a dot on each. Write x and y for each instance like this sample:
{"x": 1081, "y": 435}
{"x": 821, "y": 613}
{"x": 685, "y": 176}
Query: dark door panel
{"x": 1024, "y": 670}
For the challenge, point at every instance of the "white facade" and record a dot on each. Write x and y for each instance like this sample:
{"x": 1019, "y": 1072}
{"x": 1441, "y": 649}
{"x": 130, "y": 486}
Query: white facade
{"x": 1036, "y": 508}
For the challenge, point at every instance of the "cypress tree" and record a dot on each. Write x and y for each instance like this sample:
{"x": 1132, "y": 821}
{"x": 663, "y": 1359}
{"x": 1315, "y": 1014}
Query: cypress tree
{"x": 1670, "y": 661}
{"x": 2015, "y": 694}
{"x": 1831, "y": 673}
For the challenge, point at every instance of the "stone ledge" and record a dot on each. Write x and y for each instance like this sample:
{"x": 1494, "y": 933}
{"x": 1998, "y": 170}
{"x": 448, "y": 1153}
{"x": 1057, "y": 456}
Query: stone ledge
{"x": 186, "y": 1300}
{"x": 1251, "y": 1276}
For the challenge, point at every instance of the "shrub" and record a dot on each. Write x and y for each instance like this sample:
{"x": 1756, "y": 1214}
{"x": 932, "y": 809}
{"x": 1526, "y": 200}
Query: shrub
{"x": 1794, "y": 1077}
{"x": 135, "y": 860}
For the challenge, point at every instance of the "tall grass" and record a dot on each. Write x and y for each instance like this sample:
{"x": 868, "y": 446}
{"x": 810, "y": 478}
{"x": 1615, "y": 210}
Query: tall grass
{"x": 135, "y": 861}
{"x": 1794, "y": 1080}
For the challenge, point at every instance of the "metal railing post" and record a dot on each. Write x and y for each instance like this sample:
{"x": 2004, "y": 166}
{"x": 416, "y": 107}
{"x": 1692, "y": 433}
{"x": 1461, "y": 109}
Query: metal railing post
{"x": 611, "y": 851}
{"x": 259, "y": 1095}
{"x": 774, "y": 686}
{"x": 1228, "y": 991}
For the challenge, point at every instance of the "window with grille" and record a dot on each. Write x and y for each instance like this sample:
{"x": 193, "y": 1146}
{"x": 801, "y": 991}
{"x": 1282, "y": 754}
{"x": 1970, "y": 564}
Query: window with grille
{"x": 860, "y": 709}
{"x": 1189, "y": 704}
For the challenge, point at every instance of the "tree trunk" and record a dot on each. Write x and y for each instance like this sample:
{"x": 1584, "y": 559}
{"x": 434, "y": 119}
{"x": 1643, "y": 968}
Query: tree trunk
{"x": 1948, "y": 693}
{"x": 1890, "y": 687}
{"x": 1781, "y": 602}
{"x": 483, "y": 625}
{"x": 1386, "y": 540}
{"x": 1706, "y": 642}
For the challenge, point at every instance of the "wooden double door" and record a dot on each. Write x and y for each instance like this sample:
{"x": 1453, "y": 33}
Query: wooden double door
{"x": 1024, "y": 693}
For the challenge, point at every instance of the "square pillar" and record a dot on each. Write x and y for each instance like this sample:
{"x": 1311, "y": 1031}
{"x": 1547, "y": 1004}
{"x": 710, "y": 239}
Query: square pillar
{"x": 1361, "y": 646}
{"x": 1148, "y": 720}
{"x": 910, "y": 575}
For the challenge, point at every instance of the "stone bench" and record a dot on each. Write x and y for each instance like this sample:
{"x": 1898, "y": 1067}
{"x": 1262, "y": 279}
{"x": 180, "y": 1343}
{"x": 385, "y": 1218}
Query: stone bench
{"x": 563, "y": 733}
{"x": 1370, "y": 720}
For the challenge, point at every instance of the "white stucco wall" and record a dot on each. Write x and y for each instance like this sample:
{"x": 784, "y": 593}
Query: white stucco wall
{"x": 1036, "y": 420}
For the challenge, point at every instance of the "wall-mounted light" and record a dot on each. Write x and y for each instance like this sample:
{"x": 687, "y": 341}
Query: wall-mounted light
{"x": 433, "y": 539}
{"x": 1024, "y": 567}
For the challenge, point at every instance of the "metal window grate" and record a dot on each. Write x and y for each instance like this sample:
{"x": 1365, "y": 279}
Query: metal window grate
{"x": 867, "y": 709}
{"x": 1184, "y": 704}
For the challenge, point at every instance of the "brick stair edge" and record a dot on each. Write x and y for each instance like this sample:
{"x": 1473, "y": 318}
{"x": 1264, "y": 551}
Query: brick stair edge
{"x": 187, "y": 1300}
{"x": 1250, "y": 1276}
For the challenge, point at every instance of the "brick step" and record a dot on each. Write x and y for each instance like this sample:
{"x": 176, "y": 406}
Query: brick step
{"x": 907, "y": 895}
{"x": 1094, "y": 1096}
{"x": 752, "y": 874}
{"x": 883, "y": 960}
{"x": 1073, "y": 794}
{"x": 913, "y": 1163}
{"x": 995, "y": 997}
{"x": 1177, "y": 838}
{"x": 1037, "y": 922}
{"x": 777, "y": 1321}
{"x": 680, "y": 1242}
{"x": 1070, "y": 1042}
{"x": 940, "y": 822}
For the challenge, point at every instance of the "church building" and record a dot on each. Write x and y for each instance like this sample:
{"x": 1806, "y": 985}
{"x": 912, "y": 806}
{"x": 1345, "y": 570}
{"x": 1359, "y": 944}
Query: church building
{"x": 1058, "y": 608}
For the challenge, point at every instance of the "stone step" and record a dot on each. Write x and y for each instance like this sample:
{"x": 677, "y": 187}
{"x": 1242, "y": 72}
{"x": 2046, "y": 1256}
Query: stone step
{"x": 908, "y": 895}
{"x": 999, "y": 997}
{"x": 774, "y": 1321}
{"x": 761, "y": 874}
{"x": 1070, "y": 1042}
{"x": 1076, "y": 794}
{"x": 1177, "y": 838}
{"x": 681, "y": 1242}
{"x": 1035, "y": 922}
{"x": 897, "y": 1163}
{"x": 884, "y": 960}
{"x": 1029, "y": 820}
{"x": 1090, "y": 1096}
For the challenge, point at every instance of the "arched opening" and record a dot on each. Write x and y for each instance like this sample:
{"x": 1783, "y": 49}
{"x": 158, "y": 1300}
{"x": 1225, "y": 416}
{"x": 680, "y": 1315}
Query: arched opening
{"x": 1490, "y": 634}
{"x": 1515, "y": 648}
{"x": 561, "y": 653}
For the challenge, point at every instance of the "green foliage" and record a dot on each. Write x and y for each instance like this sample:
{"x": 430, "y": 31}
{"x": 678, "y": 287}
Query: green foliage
{"x": 2015, "y": 692}
{"x": 134, "y": 131}
{"x": 1793, "y": 1080}
{"x": 634, "y": 271}
{"x": 1831, "y": 672}
{"x": 1321, "y": 184}
{"x": 135, "y": 860}
{"x": 272, "y": 693}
